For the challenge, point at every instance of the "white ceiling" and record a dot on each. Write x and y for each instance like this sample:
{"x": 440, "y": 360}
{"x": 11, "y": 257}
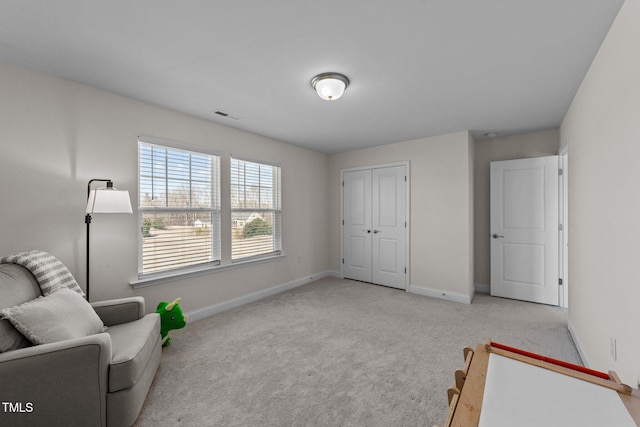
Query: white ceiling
{"x": 418, "y": 68}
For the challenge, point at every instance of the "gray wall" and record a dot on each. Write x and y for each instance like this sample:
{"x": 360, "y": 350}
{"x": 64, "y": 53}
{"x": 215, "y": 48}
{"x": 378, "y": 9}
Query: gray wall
{"x": 602, "y": 132}
{"x": 441, "y": 241}
{"x": 56, "y": 135}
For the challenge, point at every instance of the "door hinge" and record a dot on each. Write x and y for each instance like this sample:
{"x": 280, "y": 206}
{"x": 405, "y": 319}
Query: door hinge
{"x": 405, "y": 270}
{"x": 343, "y": 222}
{"x": 405, "y": 224}
{"x": 560, "y": 227}
{"x": 343, "y": 260}
{"x": 343, "y": 183}
{"x": 405, "y": 178}
{"x": 559, "y": 281}
{"x": 560, "y": 172}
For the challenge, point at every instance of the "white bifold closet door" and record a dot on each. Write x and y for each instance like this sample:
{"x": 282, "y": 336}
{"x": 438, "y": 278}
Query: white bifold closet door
{"x": 374, "y": 225}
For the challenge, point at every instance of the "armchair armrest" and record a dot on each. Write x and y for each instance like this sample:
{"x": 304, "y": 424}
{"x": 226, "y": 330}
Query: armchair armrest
{"x": 62, "y": 383}
{"x": 122, "y": 310}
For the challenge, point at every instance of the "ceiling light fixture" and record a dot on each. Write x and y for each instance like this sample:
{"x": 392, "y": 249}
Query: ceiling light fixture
{"x": 330, "y": 86}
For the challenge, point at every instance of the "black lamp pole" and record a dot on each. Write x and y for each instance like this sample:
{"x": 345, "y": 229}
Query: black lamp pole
{"x": 87, "y": 220}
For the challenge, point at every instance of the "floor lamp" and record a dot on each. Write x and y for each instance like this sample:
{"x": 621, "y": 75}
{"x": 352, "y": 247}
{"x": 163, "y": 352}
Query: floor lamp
{"x": 104, "y": 200}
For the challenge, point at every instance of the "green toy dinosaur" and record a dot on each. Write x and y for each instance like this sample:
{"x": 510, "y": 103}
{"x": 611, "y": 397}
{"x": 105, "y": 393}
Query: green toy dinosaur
{"x": 171, "y": 317}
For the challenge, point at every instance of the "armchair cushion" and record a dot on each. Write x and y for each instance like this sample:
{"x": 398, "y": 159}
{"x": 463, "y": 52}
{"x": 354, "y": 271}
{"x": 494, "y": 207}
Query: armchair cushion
{"x": 50, "y": 273}
{"x": 17, "y": 285}
{"x": 132, "y": 346}
{"x": 59, "y": 316}
{"x": 10, "y": 338}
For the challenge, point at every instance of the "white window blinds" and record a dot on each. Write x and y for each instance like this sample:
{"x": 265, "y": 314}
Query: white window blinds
{"x": 179, "y": 208}
{"x": 255, "y": 210}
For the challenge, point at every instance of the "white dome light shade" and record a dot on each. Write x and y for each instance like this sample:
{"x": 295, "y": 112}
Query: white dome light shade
{"x": 330, "y": 89}
{"x": 330, "y": 86}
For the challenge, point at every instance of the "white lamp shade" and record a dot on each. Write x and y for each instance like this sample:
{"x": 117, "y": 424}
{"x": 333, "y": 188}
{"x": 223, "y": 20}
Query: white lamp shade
{"x": 330, "y": 88}
{"x": 109, "y": 200}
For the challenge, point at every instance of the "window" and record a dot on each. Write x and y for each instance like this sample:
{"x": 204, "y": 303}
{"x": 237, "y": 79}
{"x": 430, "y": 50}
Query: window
{"x": 179, "y": 208}
{"x": 255, "y": 210}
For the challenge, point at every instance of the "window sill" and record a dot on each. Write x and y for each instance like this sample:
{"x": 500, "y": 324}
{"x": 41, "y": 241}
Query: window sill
{"x": 195, "y": 272}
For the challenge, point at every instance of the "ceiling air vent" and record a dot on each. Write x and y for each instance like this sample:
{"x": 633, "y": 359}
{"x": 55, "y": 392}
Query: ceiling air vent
{"x": 227, "y": 115}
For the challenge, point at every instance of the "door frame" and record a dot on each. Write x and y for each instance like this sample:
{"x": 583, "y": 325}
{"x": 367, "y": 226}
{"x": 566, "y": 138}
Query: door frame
{"x": 407, "y": 165}
{"x": 563, "y": 216}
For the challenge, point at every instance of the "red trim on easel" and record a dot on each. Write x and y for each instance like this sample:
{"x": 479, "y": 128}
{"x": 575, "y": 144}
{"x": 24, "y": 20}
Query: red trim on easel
{"x": 562, "y": 363}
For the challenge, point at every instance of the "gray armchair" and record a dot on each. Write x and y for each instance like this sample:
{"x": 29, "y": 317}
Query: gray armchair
{"x": 96, "y": 380}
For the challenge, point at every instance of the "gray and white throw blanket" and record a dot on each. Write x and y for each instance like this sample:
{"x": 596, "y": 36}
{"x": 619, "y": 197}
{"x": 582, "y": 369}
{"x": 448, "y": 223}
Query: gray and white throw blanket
{"x": 50, "y": 273}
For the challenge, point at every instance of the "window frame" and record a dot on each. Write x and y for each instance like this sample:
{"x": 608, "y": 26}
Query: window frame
{"x": 215, "y": 208}
{"x": 276, "y": 210}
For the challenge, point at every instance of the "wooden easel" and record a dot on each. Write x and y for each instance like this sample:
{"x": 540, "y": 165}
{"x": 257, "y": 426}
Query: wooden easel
{"x": 466, "y": 397}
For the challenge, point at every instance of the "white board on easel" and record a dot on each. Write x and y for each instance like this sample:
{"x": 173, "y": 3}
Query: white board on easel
{"x": 523, "y": 395}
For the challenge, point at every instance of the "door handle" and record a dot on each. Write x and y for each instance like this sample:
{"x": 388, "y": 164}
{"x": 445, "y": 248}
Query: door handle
{"x": 368, "y": 231}
{"x": 495, "y": 236}
{"x": 377, "y": 231}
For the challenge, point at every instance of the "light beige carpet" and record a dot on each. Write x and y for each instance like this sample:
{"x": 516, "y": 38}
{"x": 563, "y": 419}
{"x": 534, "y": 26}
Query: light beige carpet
{"x": 337, "y": 353}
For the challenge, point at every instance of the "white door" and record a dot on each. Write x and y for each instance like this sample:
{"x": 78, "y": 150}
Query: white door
{"x": 356, "y": 232}
{"x": 375, "y": 224}
{"x": 389, "y": 226}
{"x": 524, "y": 227}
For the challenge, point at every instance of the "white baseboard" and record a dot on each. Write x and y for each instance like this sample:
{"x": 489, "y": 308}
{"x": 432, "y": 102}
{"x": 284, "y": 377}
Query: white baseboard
{"x": 481, "y": 288}
{"x": 205, "y": 312}
{"x": 576, "y": 341}
{"x": 441, "y": 294}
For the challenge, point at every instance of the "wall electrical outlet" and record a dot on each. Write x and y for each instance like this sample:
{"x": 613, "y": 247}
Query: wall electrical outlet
{"x": 613, "y": 349}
